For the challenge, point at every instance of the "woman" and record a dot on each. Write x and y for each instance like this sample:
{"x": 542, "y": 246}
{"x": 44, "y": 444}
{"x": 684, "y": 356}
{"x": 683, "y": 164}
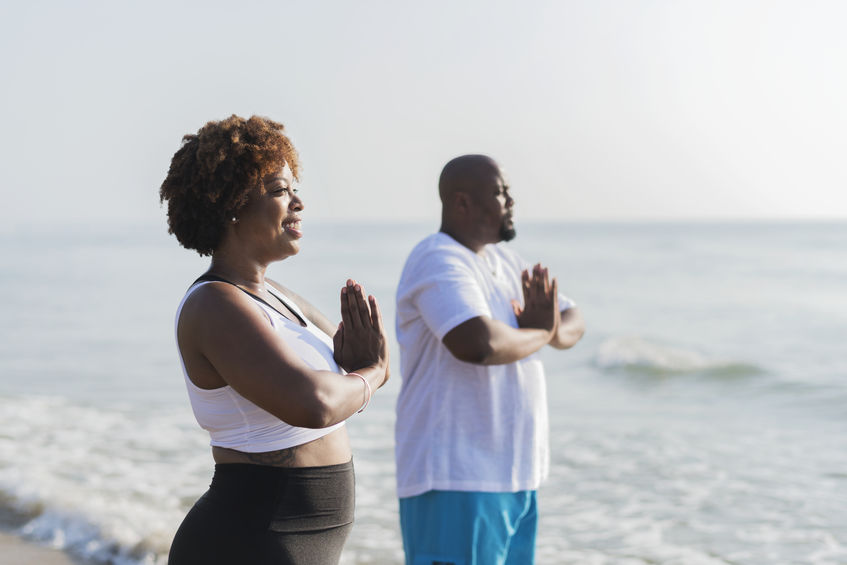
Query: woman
{"x": 261, "y": 369}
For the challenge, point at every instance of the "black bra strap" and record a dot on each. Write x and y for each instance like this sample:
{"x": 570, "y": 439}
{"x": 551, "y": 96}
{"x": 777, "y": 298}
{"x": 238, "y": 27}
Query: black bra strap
{"x": 215, "y": 278}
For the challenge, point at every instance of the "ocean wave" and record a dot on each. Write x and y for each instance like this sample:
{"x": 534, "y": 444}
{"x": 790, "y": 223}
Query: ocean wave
{"x": 107, "y": 485}
{"x": 75, "y": 534}
{"x": 650, "y": 357}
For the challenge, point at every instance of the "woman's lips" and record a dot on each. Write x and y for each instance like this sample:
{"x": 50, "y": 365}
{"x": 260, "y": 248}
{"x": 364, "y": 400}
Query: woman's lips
{"x": 293, "y": 228}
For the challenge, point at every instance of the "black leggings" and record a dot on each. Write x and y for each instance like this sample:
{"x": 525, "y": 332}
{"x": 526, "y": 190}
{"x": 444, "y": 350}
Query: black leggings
{"x": 258, "y": 515}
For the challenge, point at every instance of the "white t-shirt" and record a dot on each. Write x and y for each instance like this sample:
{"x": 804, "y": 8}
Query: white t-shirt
{"x": 462, "y": 426}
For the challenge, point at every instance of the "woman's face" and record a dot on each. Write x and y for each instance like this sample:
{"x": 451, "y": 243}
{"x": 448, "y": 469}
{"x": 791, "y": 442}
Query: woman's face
{"x": 270, "y": 222}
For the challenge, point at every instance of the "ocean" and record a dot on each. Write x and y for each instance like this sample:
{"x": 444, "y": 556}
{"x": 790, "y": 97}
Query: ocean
{"x": 702, "y": 420}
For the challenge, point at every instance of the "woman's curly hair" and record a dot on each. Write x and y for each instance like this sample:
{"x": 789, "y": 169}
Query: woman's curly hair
{"x": 212, "y": 174}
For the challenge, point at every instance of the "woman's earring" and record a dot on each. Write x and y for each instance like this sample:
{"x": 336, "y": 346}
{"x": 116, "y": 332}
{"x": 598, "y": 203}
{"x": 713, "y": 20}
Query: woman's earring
{"x": 234, "y": 219}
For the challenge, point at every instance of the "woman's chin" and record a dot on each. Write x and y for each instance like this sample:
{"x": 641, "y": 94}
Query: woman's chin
{"x": 293, "y": 248}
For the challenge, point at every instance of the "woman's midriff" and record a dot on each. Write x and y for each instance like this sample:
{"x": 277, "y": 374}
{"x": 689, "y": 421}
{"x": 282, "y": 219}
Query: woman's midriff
{"x": 331, "y": 449}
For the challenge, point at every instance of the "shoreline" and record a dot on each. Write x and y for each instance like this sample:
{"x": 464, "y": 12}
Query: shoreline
{"x": 16, "y": 550}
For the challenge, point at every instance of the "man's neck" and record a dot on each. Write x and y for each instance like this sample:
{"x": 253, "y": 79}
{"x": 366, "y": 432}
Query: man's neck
{"x": 464, "y": 239}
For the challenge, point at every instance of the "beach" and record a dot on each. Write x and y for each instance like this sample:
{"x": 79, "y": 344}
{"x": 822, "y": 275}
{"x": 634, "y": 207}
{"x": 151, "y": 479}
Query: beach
{"x": 16, "y": 551}
{"x": 700, "y": 421}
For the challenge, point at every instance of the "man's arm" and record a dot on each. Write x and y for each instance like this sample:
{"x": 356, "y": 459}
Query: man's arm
{"x": 571, "y": 329}
{"x": 484, "y": 341}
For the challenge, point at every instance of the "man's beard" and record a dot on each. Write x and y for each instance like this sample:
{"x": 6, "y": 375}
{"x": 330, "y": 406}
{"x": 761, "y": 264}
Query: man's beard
{"x": 507, "y": 233}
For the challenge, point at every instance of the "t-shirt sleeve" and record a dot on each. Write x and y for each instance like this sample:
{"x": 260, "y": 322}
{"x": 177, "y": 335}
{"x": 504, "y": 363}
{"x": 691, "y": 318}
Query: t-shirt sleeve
{"x": 565, "y": 303}
{"x": 450, "y": 295}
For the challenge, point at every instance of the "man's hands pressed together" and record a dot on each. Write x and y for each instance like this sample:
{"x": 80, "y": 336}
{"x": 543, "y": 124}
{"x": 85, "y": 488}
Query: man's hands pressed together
{"x": 541, "y": 301}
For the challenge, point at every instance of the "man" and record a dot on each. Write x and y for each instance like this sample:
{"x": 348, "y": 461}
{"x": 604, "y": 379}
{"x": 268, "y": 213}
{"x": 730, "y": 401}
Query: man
{"x": 471, "y": 433}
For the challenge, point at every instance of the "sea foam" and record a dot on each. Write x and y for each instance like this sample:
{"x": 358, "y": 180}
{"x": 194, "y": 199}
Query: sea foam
{"x": 110, "y": 486}
{"x": 642, "y": 355}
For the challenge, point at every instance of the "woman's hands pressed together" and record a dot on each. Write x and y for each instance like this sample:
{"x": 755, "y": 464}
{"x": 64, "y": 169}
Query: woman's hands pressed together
{"x": 360, "y": 340}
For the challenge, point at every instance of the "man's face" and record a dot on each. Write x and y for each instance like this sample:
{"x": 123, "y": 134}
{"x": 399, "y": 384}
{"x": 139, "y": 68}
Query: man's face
{"x": 494, "y": 207}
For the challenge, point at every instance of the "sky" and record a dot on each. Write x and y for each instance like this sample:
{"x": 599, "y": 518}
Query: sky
{"x": 596, "y": 110}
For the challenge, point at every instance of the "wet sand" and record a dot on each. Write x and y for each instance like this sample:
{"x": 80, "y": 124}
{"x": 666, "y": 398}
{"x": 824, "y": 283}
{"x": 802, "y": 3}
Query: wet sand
{"x": 16, "y": 551}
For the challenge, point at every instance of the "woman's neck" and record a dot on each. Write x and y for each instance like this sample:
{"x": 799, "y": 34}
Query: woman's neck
{"x": 239, "y": 270}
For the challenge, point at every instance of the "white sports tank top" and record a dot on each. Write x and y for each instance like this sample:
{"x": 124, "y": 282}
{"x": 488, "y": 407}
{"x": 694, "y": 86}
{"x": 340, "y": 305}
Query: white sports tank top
{"x": 236, "y": 423}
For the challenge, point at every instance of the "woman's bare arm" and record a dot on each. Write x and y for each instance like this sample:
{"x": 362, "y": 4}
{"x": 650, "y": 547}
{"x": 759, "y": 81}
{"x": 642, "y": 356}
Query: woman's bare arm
{"x": 221, "y": 331}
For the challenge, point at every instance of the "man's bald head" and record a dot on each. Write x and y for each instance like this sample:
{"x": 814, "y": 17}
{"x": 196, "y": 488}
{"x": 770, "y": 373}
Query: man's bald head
{"x": 476, "y": 207}
{"x": 467, "y": 174}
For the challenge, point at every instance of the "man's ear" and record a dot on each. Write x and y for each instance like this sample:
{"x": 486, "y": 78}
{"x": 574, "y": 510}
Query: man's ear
{"x": 462, "y": 202}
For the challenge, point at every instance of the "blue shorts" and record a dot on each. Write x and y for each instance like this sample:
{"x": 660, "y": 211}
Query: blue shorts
{"x": 469, "y": 528}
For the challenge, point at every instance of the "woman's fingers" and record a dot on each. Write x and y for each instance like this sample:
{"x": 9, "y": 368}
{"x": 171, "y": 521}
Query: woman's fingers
{"x": 354, "y": 319}
{"x": 338, "y": 343}
{"x": 345, "y": 307}
{"x": 362, "y": 309}
{"x": 361, "y": 333}
{"x": 354, "y": 299}
{"x": 376, "y": 315}
{"x": 357, "y": 312}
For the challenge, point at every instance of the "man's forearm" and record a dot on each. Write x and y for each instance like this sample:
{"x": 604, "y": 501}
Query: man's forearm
{"x": 571, "y": 329}
{"x": 510, "y": 344}
{"x": 484, "y": 341}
